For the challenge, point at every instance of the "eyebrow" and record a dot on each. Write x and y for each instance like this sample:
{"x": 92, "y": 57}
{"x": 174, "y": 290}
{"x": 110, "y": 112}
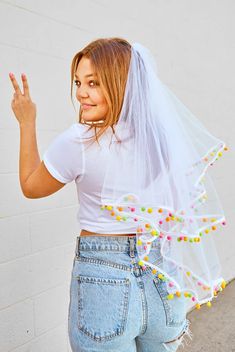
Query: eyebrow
{"x": 89, "y": 75}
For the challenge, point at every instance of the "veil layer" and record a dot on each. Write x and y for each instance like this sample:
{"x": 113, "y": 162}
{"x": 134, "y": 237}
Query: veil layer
{"x": 157, "y": 178}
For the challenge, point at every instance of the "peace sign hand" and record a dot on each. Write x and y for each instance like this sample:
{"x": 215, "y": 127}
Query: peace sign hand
{"x": 22, "y": 105}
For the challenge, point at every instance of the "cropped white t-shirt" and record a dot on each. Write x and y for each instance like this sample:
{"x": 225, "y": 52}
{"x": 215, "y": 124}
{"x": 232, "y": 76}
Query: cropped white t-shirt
{"x": 67, "y": 160}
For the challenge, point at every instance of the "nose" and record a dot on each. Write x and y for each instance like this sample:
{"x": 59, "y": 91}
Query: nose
{"x": 81, "y": 93}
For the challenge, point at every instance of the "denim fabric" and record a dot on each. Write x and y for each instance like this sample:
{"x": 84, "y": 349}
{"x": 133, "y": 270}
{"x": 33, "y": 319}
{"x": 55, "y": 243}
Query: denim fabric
{"x": 117, "y": 306}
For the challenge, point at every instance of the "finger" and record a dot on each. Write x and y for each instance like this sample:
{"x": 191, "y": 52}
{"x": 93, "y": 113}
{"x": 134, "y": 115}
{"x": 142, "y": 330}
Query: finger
{"x": 15, "y": 84}
{"x": 25, "y": 85}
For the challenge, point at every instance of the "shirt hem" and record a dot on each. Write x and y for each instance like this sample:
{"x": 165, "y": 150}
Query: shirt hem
{"x": 87, "y": 228}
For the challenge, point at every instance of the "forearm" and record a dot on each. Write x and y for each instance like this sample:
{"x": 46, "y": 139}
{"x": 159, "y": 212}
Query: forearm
{"x": 29, "y": 158}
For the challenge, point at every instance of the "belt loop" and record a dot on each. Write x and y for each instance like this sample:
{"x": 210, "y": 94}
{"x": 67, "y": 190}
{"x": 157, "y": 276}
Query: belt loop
{"x": 132, "y": 246}
{"x": 77, "y": 252}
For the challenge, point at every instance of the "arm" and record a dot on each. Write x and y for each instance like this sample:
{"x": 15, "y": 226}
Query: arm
{"x": 29, "y": 158}
{"x": 35, "y": 180}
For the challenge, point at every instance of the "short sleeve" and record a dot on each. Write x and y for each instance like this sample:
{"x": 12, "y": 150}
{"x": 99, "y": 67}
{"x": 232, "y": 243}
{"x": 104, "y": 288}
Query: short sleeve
{"x": 64, "y": 158}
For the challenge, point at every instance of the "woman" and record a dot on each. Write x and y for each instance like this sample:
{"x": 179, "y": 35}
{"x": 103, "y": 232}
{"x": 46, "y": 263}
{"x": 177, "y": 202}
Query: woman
{"x": 121, "y": 154}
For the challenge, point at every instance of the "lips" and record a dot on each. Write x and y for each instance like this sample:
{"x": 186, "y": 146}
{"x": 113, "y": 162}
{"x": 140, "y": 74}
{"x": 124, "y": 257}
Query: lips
{"x": 87, "y": 105}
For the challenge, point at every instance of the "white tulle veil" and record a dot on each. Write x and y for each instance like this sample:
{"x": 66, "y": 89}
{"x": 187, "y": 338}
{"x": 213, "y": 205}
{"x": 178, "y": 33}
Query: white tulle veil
{"x": 157, "y": 178}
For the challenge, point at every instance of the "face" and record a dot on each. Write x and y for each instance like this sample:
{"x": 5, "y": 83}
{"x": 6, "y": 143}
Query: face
{"x": 89, "y": 92}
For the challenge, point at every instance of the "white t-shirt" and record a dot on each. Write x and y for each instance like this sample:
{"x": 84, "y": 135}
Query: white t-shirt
{"x": 69, "y": 160}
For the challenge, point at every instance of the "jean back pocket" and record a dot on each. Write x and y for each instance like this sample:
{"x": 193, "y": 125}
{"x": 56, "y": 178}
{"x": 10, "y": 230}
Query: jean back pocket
{"x": 175, "y": 309}
{"x": 102, "y": 306}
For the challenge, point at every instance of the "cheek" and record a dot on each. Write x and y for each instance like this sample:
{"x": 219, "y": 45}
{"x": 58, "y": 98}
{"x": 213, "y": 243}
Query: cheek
{"x": 100, "y": 100}
{"x": 97, "y": 95}
{"x": 104, "y": 107}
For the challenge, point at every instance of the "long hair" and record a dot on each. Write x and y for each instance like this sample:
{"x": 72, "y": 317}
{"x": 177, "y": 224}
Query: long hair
{"x": 110, "y": 59}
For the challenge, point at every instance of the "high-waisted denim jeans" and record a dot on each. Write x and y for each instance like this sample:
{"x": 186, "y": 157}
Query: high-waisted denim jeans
{"x": 117, "y": 306}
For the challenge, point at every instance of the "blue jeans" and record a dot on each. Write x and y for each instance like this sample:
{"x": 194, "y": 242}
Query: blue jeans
{"x": 116, "y": 305}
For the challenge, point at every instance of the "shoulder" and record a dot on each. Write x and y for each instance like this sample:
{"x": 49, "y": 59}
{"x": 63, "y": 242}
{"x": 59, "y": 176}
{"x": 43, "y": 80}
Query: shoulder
{"x": 79, "y": 130}
{"x": 83, "y": 132}
{"x": 74, "y": 132}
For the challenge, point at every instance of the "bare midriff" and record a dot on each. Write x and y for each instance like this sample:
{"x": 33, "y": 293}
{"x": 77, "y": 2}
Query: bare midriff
{"x": 89, "y": 233}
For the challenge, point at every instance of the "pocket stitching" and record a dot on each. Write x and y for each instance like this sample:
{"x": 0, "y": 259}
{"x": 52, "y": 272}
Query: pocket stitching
{"x": 160, "y": 291}
{"x": 123, "y": 320}
{"x": 167, "y": 307}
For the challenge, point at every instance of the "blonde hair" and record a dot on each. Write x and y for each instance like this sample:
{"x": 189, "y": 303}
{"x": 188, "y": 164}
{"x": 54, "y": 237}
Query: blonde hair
{"x": 110, "y": 59}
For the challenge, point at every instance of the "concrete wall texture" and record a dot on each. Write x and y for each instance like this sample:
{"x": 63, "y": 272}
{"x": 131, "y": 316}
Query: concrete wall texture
{"x": 194, "y": 48}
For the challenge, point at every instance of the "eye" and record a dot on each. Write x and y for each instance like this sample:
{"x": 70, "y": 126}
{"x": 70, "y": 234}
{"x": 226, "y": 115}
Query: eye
{"x": 95, "y": 83}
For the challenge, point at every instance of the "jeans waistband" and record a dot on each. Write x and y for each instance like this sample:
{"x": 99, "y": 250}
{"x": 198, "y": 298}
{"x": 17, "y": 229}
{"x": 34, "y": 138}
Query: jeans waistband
{"x": 124, "y": 244}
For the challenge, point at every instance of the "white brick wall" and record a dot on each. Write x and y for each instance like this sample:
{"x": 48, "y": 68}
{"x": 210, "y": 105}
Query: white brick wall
{"x": 193, "y": 44}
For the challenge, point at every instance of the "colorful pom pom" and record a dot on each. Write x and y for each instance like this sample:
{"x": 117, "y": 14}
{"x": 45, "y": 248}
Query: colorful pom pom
{"x": 223, "y": 285}
{"x": 170, "y": 296}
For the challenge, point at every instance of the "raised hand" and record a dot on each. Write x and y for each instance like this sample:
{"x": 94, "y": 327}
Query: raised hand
{"x": 22, "y": 105}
